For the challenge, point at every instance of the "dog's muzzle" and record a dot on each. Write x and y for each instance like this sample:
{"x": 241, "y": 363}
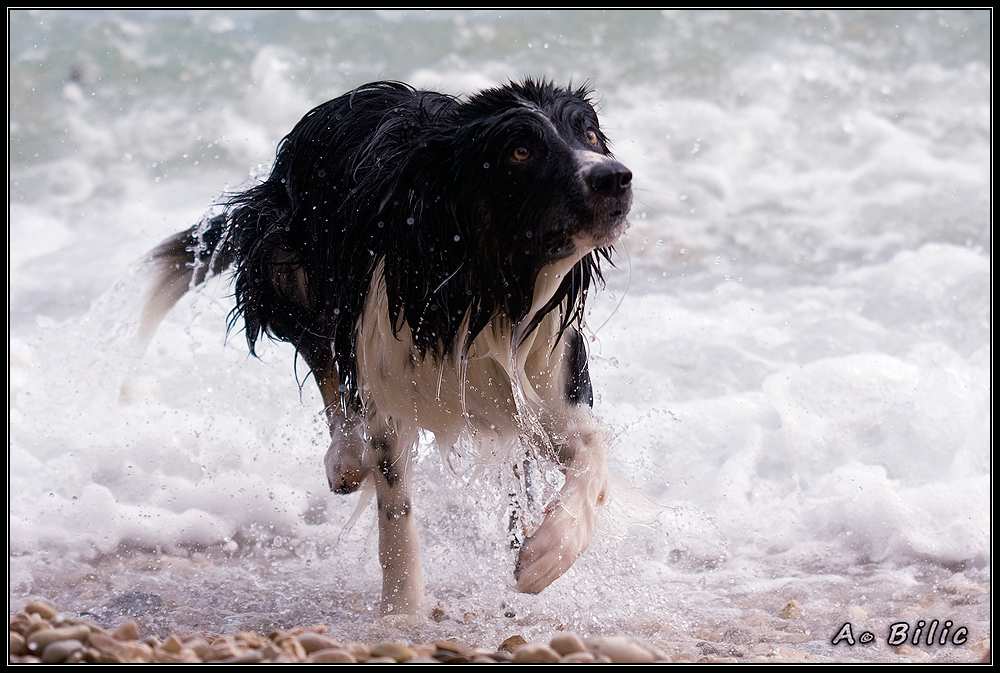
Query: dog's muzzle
{"x": 610, "y": 179}
{"x": 609, "y": 186}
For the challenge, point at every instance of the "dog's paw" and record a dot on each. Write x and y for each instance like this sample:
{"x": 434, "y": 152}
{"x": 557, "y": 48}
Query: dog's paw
{"x": 344, "y": 471}
{"x": 550, "y": 552}
{"x": 564, "y": 534}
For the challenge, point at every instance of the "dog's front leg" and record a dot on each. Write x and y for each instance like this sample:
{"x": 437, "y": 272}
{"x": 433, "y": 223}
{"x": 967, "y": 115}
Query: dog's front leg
{"x": 345, "y": 469}
{"x": 388, "y": 456}
{"x": 385, "y": 455}
{"x": 571, "y": 519}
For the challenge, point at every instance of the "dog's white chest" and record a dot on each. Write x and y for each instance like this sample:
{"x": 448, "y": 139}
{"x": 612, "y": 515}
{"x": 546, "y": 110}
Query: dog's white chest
{"x": 493, "y": 392}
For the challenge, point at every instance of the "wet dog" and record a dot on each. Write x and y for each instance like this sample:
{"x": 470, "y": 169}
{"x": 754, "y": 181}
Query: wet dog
{"x": 429, "y": 258}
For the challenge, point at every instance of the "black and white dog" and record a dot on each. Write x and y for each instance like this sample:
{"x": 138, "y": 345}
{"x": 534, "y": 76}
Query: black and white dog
{"x": 429, "y": 258}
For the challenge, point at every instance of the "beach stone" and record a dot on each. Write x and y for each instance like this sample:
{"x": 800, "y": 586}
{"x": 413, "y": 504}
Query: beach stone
{"x": 271, "y": 652}
{"x": 249, "y": 657}
{"x": 21, "y": 624}
{"x": 39, "y": 639}
{"x": 788, "y": 654}
{"x": 512, "y": 643}
{"x": 293, "y": 648}
{"x": 198, "y": 645}
{"x": 15, "y": 644}
{"x": 57, "y": 652}
{"x": 333, "y": 655}
{"x": 26, "y": 659}
{"x": 34, "y": 626}
{"x": 314, "y": 642}
{"x": 396, "y": 651}
{"x": 535, "y": 653}
{"x": 224, "y": 648}
{"x": 718, "y": 660}
{"x": 35, "y": 623}
{"x": 251, "y": 639}
{"x": 423, "y": 649}
{"x": 129, "y": 630}
{"x": 621, "y": 650}
{"x": 172, "y": 645}
{"x": 578, "y": 658}
{"x": 455, "y": 647}
{"x": 118, "y": 652}
{"x": 792, "y": 610}
{"x": 567, "y": 642}
{"x": 359, "y": 650}
{"x": 449, "y": 657}
{"x": 40, "y": 608}
{"x": 183, "y": 656}
{"x": 83, "y": 655}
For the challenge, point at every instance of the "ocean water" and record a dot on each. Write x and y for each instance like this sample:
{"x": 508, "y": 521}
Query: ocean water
{"x": 792, "y": 357}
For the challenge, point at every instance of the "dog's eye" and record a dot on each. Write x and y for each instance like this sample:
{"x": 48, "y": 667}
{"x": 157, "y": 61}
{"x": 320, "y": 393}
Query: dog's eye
{"x": 519, "y": 154}
{"x": 591, "y": 136}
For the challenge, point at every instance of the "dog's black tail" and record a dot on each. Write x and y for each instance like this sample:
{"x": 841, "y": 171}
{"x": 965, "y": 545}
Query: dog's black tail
{"x": 181, "y": 263}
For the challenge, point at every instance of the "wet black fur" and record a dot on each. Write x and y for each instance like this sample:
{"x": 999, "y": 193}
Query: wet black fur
{"x": 425, "y": 182}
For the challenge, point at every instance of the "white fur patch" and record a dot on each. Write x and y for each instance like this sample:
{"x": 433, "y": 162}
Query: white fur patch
{"x": 494, "y": 393}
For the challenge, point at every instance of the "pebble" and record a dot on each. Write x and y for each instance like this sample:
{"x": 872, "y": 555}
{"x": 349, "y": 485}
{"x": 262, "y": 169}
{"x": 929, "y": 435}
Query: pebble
{"x": 395, "y": 651}
{"x": 40, "y": 634}
{"x": 223, "y": 649}
{"x": 41, "y": 638}
{"x": 792, "y": 610}
{"x": 58, "y": 651}
{"x": 40, "y": 608}
{"x": 455, "y": 647}
{"x": 314, "y": 642}
{"x": 248, "y": 657}
{"x": 112, "y": 651}
{"x": 16, "y": 644}
{"x": 173, "y": 645}
{"x": 566, "y": 643}
{"x": 129, "y": 630}
{"x": 536, "y": 653}
{"x": 621, "y": 650}
{"x": 512, "y": 644}
{"x": 334, "y": 655}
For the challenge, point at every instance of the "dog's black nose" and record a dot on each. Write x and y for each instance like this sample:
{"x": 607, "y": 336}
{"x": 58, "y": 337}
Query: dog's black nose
{"x": 609, "y": 178}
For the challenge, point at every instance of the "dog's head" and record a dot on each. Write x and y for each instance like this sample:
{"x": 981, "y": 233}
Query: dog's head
{"x": 493, "y": 190}
{"x": 547, "y": 185}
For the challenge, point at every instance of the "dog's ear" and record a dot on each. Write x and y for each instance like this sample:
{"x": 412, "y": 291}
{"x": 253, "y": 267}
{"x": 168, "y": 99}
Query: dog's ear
{"x": 429, "y": 264}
